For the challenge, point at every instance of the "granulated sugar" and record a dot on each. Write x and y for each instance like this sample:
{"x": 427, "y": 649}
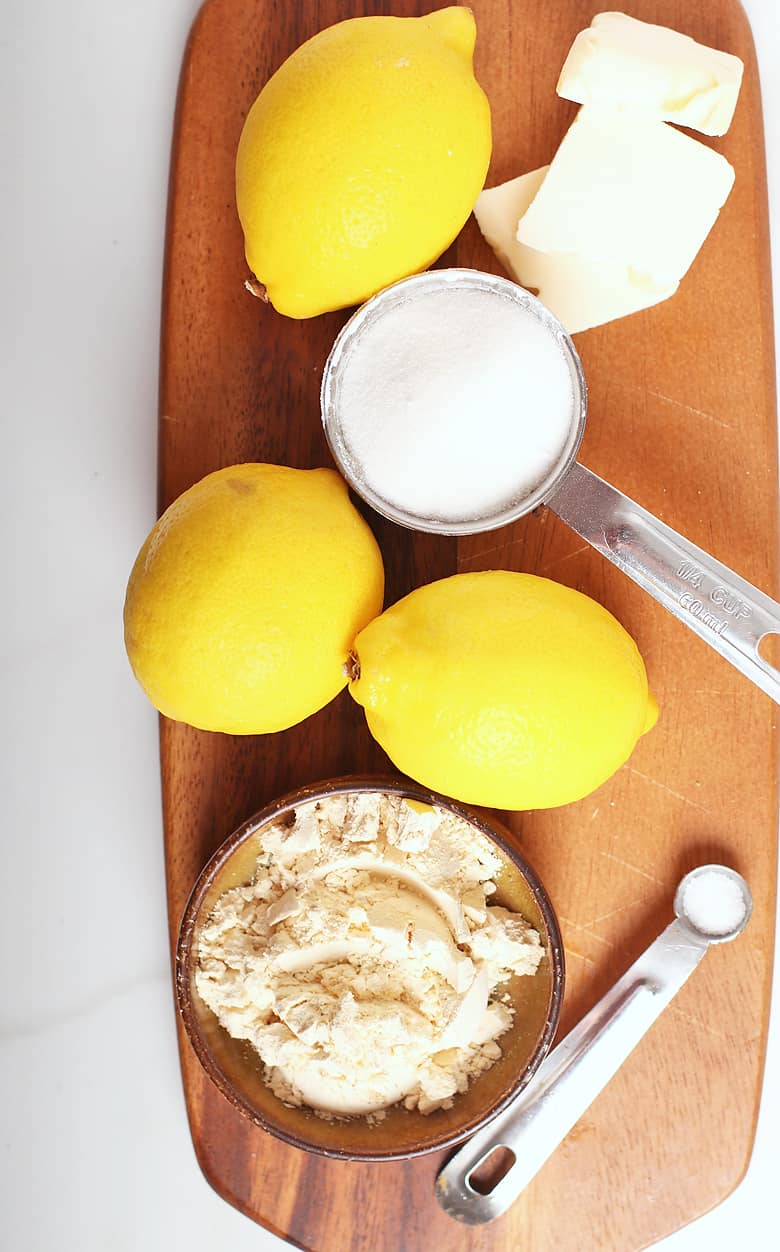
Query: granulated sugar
{"x": 455, "y": 403}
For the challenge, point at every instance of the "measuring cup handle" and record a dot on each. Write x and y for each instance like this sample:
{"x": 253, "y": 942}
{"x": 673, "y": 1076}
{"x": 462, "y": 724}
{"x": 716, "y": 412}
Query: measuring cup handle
{"x": 710, "y": 599}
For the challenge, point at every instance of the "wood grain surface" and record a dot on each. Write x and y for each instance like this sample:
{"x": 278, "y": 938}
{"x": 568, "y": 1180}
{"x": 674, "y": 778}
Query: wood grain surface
{"x": 681, "y": 418}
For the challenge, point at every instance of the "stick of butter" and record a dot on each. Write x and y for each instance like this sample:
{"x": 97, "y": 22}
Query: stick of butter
{"x": 628, "y": 190}
{"x": 580, "y": 292}
{"x": 627, "y": 64}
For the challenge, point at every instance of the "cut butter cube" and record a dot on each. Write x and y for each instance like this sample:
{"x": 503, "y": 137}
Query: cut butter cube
{"x": 580, "y": 292}
{"x": 628, "y": 190}
{"x": 623, "y": 63}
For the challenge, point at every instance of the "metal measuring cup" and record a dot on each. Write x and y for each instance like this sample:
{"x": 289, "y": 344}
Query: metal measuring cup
{"x": 718, "y": 605}
{"x": 572, "y": 1075}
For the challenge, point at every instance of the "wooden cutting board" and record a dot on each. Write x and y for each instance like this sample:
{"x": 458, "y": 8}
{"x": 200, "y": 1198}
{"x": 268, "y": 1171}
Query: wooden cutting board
{"x": 682, "y": 418}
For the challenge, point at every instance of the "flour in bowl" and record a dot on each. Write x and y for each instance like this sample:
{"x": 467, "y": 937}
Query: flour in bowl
{"x": 364, "y": 962}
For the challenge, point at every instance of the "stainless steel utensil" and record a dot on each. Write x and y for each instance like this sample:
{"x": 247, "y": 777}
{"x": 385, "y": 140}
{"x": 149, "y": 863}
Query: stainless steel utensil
{"x": 578, "y": 1068}
{"x": 718, "y": 605}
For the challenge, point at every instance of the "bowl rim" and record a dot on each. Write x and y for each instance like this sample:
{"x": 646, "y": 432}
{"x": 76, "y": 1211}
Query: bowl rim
{"x": 185, "y": 957}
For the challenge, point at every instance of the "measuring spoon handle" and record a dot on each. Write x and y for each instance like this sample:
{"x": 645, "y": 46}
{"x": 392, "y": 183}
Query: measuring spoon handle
{"x": 569, "y": 1079}
{"x": 715, "y": 603}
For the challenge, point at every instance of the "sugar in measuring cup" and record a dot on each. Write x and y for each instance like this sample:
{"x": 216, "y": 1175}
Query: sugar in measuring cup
{"x": 455, "y": 402}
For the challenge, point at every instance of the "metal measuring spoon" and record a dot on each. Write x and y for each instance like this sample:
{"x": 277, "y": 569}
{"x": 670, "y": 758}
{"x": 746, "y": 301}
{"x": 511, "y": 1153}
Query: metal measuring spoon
{"x": 718, "y": 605}
{"x": 712, "y": 905}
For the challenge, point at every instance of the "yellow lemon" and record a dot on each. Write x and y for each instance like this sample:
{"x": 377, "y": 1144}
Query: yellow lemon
{"x": 245, "y": 598}
{"x": 361, "y": 159}
{"x": 502, "y": 689}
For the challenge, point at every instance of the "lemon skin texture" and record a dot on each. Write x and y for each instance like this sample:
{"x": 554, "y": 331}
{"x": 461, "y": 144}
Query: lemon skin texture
{"x": 362, "y": 158}
{"x": 246, "y": 596}
{"x": 503, "y": 689}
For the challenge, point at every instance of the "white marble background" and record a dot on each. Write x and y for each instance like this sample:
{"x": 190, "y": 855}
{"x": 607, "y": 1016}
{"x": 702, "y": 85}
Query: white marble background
{"x": 96, "y": 1155}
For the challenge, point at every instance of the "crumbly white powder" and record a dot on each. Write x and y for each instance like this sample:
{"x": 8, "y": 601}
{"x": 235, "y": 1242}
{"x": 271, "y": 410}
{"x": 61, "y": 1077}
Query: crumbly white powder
{"x": 364, "y": 962}
{"x": 455, "y": 403}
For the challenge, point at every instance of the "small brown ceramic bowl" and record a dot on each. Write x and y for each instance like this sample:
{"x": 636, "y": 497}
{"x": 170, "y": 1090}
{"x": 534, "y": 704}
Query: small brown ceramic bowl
{"x": 237, "y": 1071}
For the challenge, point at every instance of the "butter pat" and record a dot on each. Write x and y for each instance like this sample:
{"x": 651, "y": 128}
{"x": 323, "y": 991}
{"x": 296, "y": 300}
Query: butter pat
{"x": 581, "y": 292}
{"x": 630, "y": 65}
{"x": 629, "y": 191}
